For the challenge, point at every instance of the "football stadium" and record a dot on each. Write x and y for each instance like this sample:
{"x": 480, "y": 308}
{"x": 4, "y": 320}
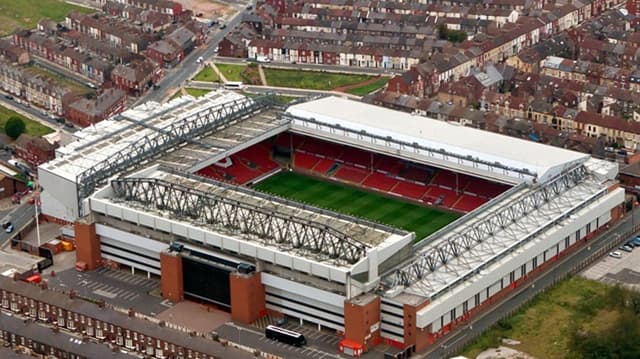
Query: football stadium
{"x": 378, "y": 224}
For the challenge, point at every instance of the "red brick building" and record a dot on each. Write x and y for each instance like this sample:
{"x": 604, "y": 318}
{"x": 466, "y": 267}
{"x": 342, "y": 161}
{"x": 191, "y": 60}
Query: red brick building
{"x": 34, "y": 150}
{"x": 136, "y": 77}
{"x": 164, "y": 53}
{"x": 85, "y": 112}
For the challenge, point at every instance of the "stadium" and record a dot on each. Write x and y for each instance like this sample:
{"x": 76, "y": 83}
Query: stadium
{"x": 378, "y": 224}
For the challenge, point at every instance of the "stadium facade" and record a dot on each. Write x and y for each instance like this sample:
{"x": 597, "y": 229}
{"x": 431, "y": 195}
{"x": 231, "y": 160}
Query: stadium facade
{"x": 151, "y": 189}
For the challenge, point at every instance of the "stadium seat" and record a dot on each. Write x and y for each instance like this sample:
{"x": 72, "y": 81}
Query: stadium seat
{"x": 448, "y": 196}
{"x": 351, "y": 174}
{"x": 321, "y": 148}
{"x": 323, "y": 166}
{"x": 380, "y": 182}
{"x": 304, "y": 161}
{"x": 387, "y": 164}
{"x": 356, "y": 156}
{"x": 409, "y": 189}
{"x": 468, "y": 203}
{"x": 447, "y": 179}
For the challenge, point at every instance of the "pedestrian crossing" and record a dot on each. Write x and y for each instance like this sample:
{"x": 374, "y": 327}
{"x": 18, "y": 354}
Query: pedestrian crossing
{"x": 106, "y": 290}
{"x": 126, "y": 277}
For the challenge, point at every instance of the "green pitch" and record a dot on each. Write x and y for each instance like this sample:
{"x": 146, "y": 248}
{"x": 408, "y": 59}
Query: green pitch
{"x": 349, "y": 200}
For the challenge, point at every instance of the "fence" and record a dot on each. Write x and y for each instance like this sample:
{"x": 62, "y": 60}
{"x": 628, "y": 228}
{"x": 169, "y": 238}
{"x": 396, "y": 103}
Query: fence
{"x": 611, "y": 244}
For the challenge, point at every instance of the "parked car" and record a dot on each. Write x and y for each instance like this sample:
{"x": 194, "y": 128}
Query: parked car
{"x": 9, "y": 228}
{"x": 8, "y": 97}
{"x": 626, "y": 248}
{"x": 615, "y": 254}
{"x": 68, "y": 124}
{"x": 223, "y": 26}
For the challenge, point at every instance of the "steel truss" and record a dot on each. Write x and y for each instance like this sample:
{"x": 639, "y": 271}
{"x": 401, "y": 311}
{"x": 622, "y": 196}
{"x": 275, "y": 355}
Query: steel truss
{"x": 183, "y": 130}
{"x": 477, "y": 235}
{"x": 277, "y": 229}
{"x": 443, "y": 154}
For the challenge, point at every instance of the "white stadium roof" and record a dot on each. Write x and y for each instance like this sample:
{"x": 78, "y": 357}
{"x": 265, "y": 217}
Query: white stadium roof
{"x": 543, "y": 160}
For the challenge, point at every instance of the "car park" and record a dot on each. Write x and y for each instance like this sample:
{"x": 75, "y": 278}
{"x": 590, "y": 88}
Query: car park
{"x": 615, "y": 254}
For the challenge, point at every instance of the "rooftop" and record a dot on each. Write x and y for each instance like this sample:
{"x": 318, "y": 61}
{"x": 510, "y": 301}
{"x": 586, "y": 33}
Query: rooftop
{"x": 545, "y": 161}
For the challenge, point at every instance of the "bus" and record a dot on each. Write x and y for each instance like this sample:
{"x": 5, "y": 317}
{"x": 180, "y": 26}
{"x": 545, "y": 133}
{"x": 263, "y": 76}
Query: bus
{"x": 284, "y": 336}
{"x": 233, "y": 85}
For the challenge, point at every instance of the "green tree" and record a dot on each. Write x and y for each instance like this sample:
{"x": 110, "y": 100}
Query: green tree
{"x": 14, "y": 127}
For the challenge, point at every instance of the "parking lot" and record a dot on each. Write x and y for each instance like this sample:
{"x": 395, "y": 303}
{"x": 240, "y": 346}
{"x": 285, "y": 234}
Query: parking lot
{"x": 118, "y": 287}
{"x": 624, "y": 271}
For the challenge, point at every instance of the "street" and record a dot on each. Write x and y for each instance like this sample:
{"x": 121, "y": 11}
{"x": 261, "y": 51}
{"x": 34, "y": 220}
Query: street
{"x": 285, "y": 91}
{"x": 456, "y": 340}
{"x": 20, "y": 217}
{"x": 34, "y": 113}
{"x": 188, "y": 68}
{"x": 314, "y": 67}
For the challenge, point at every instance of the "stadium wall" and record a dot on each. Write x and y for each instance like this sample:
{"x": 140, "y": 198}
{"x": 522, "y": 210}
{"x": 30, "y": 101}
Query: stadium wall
{"x": 452, "y": 307}
{"x": 60, "y": 197}
{"x": 207, "y": 238}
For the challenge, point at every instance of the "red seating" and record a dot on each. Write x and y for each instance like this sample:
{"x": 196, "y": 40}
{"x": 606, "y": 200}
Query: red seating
{"x": 387, "y": 164}
{"x": 323, "y": 166}
{"x": 415, "y": 174}
{"x": 351, "y": 174}
{"x": 468, "y": 203}
{"x": 485, "y": 188}
{"x": 259, "y": 155}
{"x": 409, "y": 189}
{"x": 287, "y": 139}
{"x": 321, "y": 148}
{"x": 450, "y": 197}
{"x": 380, "y": 181}
{"x": 356, "y": 156}
{"x": 304, "y": 160}
{"x": 444, "y": 178}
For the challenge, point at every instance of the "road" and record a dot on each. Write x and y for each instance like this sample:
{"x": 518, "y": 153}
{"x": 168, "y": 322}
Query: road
{"x": 175, "y": 77}
{"x": 285, "y": 91}
{"x": 33, "y": 113}
{"x": 19, "y": 216}
{"x": 455, "y": 340}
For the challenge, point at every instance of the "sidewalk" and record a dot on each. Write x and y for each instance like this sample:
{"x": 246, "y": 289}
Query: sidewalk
{"x": 223, "y": 79}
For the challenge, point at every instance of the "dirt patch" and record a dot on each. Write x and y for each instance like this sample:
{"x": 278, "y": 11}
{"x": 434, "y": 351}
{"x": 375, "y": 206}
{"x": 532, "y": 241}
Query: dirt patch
{"x": 209, "y": 9}
{"x": 349, "y": 87}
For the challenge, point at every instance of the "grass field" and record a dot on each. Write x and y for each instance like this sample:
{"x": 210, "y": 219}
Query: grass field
{"x": 32, "y": 127}
{"x": 207, "y": 74}
{"x": 543, "y": 326}
{"x": 356, "y": 202}
{"x": 231, "y": 72}
{"x": 196, "y": 92}
{"x": 367, "y": 89}
{"x": 26, "y": 13}
{"x": 313, "y": 80}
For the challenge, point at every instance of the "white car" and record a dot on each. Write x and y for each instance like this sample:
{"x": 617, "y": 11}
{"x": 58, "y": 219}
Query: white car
{"x": 200, "y": 60}
{"x": 615, "y": 254}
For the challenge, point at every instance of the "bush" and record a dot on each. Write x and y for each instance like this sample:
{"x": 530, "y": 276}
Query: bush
{"x": 14, "y": 127}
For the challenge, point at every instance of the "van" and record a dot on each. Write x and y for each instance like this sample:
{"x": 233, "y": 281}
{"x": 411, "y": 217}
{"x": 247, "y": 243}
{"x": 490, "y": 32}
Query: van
{"x": 233, "y": 85}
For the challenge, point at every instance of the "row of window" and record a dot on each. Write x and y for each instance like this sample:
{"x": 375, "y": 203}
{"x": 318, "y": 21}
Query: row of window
{"x": 95, "y": 328}
{"x": 11, "y": 339}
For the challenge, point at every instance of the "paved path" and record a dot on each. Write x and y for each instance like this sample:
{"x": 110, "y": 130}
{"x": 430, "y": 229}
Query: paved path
{"x": 263, "y": 78}
{"x": 215, "y": 68}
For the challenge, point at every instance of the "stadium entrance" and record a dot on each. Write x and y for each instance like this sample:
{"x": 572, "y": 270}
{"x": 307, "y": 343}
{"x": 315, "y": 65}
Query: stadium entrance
{"x": 207, "y": 278}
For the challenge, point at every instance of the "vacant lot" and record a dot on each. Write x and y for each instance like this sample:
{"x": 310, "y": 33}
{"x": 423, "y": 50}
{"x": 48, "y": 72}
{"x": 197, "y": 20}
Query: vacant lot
{"x": 60, "y": 80}
{"x": 16, "y": 14}
{"x": 207, "y": 74}
{"x": 32, "y": 127}
{"x": 231, "y": 72}
{"x": 369, "y": 88}
{"x": 563, "y": 321}
{"x": 312, "y": 80}
{"x": 354, "y": 201}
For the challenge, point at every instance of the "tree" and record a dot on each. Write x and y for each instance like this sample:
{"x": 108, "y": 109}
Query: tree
{"x": 14, "y": 127}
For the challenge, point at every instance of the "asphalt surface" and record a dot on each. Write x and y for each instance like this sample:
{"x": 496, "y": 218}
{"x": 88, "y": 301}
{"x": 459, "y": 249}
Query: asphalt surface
{"x": 117, "y": 287}
{"x": 455, "y": 341}
{"x": 33, "y": 113}
{"x": 20, "y": 217}
{"x": 175, "y": 77}
{"x": 268, "y": 89}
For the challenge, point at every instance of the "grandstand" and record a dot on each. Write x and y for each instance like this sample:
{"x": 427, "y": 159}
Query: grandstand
{"x": 328, "y": 201}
